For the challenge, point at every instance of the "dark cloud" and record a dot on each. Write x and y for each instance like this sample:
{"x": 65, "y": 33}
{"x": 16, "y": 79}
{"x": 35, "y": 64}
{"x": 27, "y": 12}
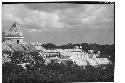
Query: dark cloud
{"x": 51, "y": 6}
{"x": 62, "y": 22}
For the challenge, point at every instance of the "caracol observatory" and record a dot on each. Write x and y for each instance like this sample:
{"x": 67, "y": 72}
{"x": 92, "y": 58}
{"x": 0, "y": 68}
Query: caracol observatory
{"x": 15, "y": 35}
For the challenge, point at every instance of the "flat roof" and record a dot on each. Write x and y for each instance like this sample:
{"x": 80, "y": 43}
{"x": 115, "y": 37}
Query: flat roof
{"x": 14, "y": 37}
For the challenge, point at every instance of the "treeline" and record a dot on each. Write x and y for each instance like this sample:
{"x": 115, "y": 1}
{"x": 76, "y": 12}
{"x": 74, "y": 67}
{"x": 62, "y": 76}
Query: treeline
{"x": 107, "y": 51}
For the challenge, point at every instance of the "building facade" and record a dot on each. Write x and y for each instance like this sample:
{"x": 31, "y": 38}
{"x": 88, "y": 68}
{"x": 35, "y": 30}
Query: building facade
{"x": 14, "y": 35}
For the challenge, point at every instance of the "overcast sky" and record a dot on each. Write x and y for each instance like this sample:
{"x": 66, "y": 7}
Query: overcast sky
{"x": 62, "y": 23}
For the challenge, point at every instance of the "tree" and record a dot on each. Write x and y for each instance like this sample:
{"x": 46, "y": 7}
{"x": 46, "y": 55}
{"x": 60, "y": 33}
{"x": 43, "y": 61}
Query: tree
{"x": 85, "y": 46}
{"x": 49, "y": 46}
{"x": 70, "y": 46}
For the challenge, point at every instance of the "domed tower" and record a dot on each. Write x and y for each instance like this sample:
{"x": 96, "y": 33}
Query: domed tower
{"x": 14, "y": 35}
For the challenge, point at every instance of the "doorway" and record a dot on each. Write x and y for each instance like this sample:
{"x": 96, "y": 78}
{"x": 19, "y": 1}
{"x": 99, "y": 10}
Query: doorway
{"x": 17, "y": 41}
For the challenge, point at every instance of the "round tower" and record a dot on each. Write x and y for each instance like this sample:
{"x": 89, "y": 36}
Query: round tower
{"x": 14, "y": 35}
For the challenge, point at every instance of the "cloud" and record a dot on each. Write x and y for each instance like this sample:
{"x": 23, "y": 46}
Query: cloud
{"x": 88, "y": 15}
{"x": 55, "y": 16}
{"x": 51, "y": 7}
{"x": 98, "y": 14}
{"x": 34, "y": 20}
{"x": 8, "y": 14}
{"x": 34, "y": 30}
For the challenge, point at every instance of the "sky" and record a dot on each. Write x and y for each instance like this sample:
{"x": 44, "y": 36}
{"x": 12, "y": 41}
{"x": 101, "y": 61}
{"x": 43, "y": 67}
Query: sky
{"x": 62, "y": 23}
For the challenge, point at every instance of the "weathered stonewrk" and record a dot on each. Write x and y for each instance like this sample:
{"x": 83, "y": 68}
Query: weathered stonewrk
{"x": 14, "y": 35}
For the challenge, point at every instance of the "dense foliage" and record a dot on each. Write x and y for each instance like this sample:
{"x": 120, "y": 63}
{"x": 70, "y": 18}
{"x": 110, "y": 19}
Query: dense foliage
{"x": 37, "y": 71}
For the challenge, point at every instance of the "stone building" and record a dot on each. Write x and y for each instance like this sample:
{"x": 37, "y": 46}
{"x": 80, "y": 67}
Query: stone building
{"x": 14, "y": 35}
{"x": 38, "y": 45}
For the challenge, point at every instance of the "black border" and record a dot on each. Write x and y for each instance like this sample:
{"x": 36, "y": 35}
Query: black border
{"x": 73, "y": 2}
